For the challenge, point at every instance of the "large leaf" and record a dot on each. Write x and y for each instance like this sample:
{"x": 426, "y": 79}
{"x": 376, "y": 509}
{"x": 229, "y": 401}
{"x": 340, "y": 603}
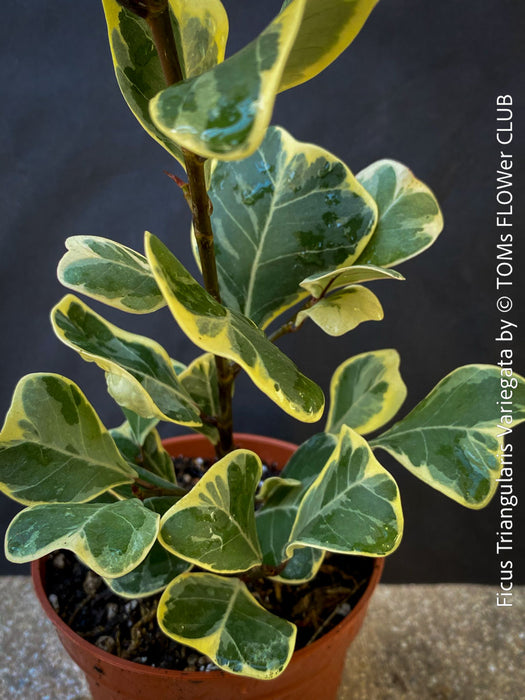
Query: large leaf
{"x": 343, "y": 310}
{"x": 200, "y": 28}
{"x": 157, "y": 570}
{"x": 219, "y": 617}
{"x": 201, "y": 382}
{"x": 327, "y": 28}
{"x": 214, "y": 328}
{"x": 453, "y": 438}
{"x": 53, "y": 447}
{"x": 290, "y": 210}
{"x": 410, "y": 219}
{"x": 111, "y": 273}
{"x": 224, "y": 112}
{"x": 140, "y": 373}
{"x": 112, "y": 539}
{"x": 214, "y": 525}
{"x": 366, "y": 391}
{"x": 317, "y": 285}
{"x": 353, "y": 506}
{"x": 276, "y": 518}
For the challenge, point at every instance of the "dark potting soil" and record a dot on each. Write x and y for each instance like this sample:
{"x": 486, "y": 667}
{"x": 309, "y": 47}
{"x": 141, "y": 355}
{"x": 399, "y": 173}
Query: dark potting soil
{"x": 128, "y": 628}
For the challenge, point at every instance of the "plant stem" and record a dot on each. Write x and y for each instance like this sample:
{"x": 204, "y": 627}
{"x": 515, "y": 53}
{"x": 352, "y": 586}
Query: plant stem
{"x": 159, "y": 22}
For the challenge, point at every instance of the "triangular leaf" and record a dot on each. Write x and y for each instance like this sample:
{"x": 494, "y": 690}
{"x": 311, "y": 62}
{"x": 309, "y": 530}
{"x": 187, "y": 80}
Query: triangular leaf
{"x": 288, "y": 211}
{"x": 353, "y": 506}
{"x": 219, "y": 617}
{"x": 214, "y": 525}
{"x": 53, "y": 447}
{"x": 453, "y": 439}
{"x": 366, "y": 391}
{"x": 112, "y": 539}
{"x": 214, "y": 328}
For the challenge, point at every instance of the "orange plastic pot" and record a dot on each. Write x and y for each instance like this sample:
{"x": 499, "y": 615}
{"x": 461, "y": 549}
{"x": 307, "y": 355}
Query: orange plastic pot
{"x": 314, "y": 671}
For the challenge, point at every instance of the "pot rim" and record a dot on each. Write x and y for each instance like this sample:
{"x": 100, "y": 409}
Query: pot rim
{"x": 38, "y": 575}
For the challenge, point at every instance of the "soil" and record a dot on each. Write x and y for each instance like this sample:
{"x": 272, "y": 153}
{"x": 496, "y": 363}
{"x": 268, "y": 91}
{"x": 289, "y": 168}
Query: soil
{"x": 128, "y": 628}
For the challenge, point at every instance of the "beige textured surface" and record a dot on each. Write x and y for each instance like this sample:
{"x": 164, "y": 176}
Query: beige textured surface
{"x": 419, "y": 642}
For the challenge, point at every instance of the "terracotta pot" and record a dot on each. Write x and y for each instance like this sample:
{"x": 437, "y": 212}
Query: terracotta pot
{"x": 314, "y": 671}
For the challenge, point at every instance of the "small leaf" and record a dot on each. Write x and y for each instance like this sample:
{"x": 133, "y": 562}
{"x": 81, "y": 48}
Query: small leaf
{"x": 112, "y": 539}
{"x": 139, "y": 426}
{"x": 111, "y": 273}
{"x": 343, "y": 310}
{"x": 316, "y": 285}
{"x": 366, "y": 391}
{"x": 274, "y": 485}
{"x": 140, "y": 373}
{"x": 220, "y": 618}
{"x": 201, "y": 382}
{"x": 410, "y": 219}
{"x": 214, "y": 525}
{"x": 53, "y": 447}
{"x": 200, "y": 29}
{"x": 290, "y": 210}
{"x": 353, "y": 506}
{"x": 151, "y": 455}
{"x": 276, "y": 518}
{"x": 224, "y": 112}
{"x": 453, "y": 439}
{"x": 157, "y": 570}
{"x": 327, "y": 28}
{"x": 216, "y": 329}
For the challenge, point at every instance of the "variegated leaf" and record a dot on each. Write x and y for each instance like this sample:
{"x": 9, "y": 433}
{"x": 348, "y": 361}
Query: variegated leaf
{"x": 343, "y": 310}
{"x": 151, "y": 455}
{"x": 219, "y": 617}
{"x": 157, "y": 570}
{"x": 112, "y": 539}
{"x": 201, "y": 382}
{"x": 366, "y": 391}
{"x": 224, "y": 112}
{"x": 327, "y": 28}
{"x": 453, "y": 439}
{"x": 290, "y": 210}
{"x": 410, "y": 219}
{"x": 140, "y": 374}
{"x": 139, "y": 426}
{"x": 318, "y": 284}
{"x": 214, "y": 328}
{"x": 353, "y": 506}
{"x": 276, "y": 518}
{"x": 53, "y": 447}
{"x": 214, "y": 525}
{"x": 200, "y": 27}
{"x": 111, "y": 273}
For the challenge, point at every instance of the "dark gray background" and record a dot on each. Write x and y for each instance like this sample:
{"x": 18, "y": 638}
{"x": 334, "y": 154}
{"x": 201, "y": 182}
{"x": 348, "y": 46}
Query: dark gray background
{"x": 419, "y": 84}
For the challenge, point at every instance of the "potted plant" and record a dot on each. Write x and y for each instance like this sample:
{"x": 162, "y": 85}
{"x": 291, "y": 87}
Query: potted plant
{"x": 284, "y": 235}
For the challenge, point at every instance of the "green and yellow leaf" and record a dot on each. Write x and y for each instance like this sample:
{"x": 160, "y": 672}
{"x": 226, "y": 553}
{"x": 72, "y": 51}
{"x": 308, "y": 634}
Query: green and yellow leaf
{"x": 214, "y": 525}
{"x": 224, "y": 112}
{"x": 200, "y": 28}
{"x": 201, "y": 382}
{"x": 219, "y": 617}
{"x": 352, "y": 507}
{"x": 140, "y": 373}
{"x": 112, "y": 539}
{"x": 343, "y": 310}
{"x": 214, "y": 328}
{"x": 282, "y": 498}
{"x": 151, "y": 455}
{"x": 53, "y": 447}
{"x": 327, "y": 28}
{"x": 317, "y": 285}
{"x": 111, "y": 273}
{"x": 366, "y": 391}
{"x": 157, "y": 570}
{"x": 453, "y": 439}
{"x": 290, "y": 210}
{"x": 410, "y": 219}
